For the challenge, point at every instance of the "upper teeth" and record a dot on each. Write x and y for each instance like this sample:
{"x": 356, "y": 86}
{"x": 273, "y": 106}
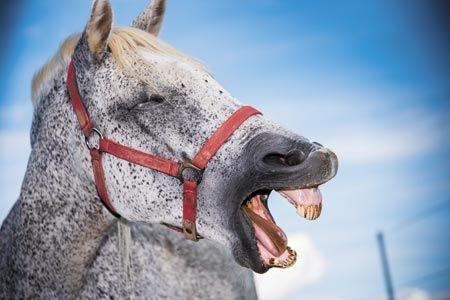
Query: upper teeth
{"x": 308, "y": 202}
{"x": 310, "y": 212}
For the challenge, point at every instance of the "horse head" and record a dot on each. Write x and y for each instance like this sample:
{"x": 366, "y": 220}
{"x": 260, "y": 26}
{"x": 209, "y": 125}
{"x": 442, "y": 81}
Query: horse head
{"x": 143, "y": 93}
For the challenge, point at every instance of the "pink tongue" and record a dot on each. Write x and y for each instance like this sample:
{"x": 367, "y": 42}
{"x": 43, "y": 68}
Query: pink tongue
{"x": 266, "y": 232}
{"x": 274, "y": 248}
{"x": 303, "y": 197}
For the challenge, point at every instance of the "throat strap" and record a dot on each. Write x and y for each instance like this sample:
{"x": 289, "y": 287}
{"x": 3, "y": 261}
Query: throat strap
{"x": 190, "y": 173}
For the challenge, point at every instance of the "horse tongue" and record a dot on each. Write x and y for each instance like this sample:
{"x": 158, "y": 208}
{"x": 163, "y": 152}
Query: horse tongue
{"x": 267, "y": 233}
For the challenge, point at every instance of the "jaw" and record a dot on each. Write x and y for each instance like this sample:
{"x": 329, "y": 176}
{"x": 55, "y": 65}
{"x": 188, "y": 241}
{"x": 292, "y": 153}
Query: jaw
{"x": 270, "y": 243}
{"x": 263, "y": 243}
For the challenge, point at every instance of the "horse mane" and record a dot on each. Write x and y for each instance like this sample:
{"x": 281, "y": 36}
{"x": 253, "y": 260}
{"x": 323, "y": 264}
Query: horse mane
{"x": 126, "y": 44}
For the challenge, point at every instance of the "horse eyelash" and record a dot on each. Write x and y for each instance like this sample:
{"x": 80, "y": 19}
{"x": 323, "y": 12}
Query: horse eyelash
{"x": 150, "y": 100}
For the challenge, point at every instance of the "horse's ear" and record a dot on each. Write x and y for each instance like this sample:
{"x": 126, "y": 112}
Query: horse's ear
{"x": 99, "y": 27}
{"x": 151, "y": 19}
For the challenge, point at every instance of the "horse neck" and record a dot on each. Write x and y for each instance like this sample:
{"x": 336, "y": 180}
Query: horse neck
{"x": 59, "y": 211}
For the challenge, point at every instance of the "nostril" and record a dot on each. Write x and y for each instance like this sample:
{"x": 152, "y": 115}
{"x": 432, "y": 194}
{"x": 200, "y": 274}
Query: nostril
{"x": 295, "y": 157}
{"x": 290, "y": 159}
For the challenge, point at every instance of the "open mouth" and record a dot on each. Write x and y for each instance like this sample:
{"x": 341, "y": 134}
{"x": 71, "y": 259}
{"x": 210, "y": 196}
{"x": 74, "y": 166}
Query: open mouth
{"x": 271, "y": 240}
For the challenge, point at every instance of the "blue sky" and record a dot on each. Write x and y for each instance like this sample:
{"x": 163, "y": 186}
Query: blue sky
{"x": 368, "y": 79}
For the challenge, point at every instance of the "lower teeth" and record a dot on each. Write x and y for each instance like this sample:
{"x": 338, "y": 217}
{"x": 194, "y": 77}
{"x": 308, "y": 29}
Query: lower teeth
{"x": 288, "y": 262}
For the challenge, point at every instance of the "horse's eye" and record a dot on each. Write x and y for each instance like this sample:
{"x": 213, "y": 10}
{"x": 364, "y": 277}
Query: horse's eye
{"x": 157, "y": 98}
{"x": 149, "y": 101}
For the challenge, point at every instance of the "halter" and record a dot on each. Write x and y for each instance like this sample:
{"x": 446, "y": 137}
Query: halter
{"x": 189, "y": 172}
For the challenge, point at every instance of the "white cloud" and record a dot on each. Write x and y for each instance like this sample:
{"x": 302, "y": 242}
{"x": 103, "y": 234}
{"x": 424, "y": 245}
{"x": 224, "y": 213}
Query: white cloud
{"x": 413, "y": 294}
{"x": 364, "y": 131}
{"x": 279, "y": 283}
{"x": 405, "y": 134}
{"x": 372, "y": 142}
{"x": 409, "y": 294}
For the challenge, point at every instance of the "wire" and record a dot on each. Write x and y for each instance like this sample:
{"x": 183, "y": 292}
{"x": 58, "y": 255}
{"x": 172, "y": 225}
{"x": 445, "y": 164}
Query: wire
{"x": 437, "y": 208}
{"x": 428, "y": 277}
{"x": 419, "y": 216}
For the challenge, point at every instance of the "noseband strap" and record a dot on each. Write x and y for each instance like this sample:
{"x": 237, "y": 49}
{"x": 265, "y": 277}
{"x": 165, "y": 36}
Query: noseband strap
{"x": 188, "y": 172}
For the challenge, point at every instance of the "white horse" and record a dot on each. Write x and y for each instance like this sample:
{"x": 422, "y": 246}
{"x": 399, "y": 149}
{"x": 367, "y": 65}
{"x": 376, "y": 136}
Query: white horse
{"x": 60, "y": 241}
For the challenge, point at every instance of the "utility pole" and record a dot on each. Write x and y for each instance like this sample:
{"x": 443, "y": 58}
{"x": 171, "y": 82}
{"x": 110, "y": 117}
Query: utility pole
{"x": 385, "y": 265}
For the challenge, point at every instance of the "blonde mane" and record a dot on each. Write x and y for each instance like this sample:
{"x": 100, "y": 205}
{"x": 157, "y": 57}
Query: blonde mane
{"x": 126, "y": 45}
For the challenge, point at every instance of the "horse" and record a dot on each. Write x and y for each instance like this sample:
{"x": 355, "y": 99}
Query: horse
{"x": 61, "y": 238}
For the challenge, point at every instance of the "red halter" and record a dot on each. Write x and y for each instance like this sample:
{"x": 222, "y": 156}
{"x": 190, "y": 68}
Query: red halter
{"x": 188, "y": 172}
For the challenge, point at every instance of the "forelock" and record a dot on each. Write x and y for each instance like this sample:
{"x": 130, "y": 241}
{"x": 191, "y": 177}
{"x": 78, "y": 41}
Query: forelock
{"x": 127, "y": 46}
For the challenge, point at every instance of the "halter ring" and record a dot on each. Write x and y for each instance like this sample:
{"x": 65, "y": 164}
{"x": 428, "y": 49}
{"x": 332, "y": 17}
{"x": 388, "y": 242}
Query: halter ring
{"x": 189, "y": 171}
{"x": 89, "y": 138}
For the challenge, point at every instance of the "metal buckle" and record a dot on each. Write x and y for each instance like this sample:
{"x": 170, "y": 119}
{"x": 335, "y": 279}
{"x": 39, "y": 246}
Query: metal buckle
{"x": 88, "y": 139}
{"x": 190, "y": 230}
{"x": 189, "y": 171}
